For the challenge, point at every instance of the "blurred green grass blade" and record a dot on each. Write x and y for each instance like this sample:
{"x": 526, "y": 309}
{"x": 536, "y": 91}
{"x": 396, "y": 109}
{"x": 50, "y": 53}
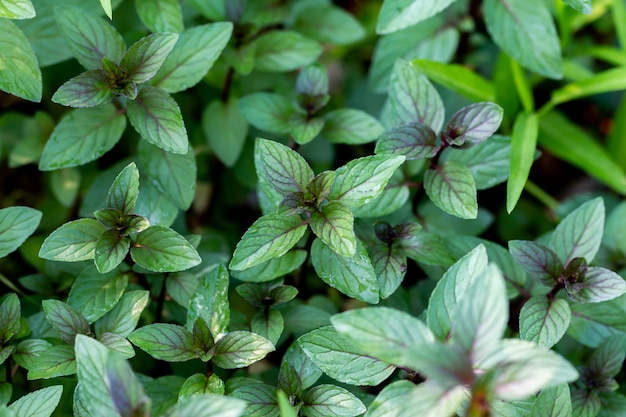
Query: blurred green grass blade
{"x": 523, "y": 144}
{"x": 616, "y": 142}
{"x": 457, "y": 78}
{"x": 619, "y": 20}
{"x": 610, "y": 80}
{"x": 523, "y": 88}
{"x": 570, "y": 143}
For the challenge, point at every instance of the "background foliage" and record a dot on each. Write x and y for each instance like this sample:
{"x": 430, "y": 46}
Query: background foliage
{"x": 313, "y": 208}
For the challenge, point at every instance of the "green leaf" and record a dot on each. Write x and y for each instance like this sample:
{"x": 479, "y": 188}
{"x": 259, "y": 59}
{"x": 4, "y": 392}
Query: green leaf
{"x": 285, "y": 170}
{"x": 600, "y": 284}
{"x": 413, "y": 99}
{"x": 488, "y": 161}
{"x": 239, "y": 349}
{"x": 268, "y": 324}
{"x": 429, "y": 399}
{"x": 580, "y": 233}
{"x": 553, "y": 402}
{"x": 363, "y": 179}
{"x": 89, "y": 89}
{"x": 94, "y": 294}
{"x": 20, "y": 74}
{"x": 270, "y": 236}
{"x": 118, "y": 344}
{"x": 260, "y": 399}
{"x": 393, "y": 197}
{"x": 328, "y": 23}
{"x": 382, "y": 332}
{"x": 226, "y": 129}
{"x": 399, "y": 14}
{"x": 17, "y": 9}
{"x": 65, "y": 319}
{"x": 603, "y": 82}
{"x": 285, "y": 50}
{"x": 513, "y": 27}
{"x": 54, "y": 362}
{"x": 73, "y": 241}
{"x": 334, "y": 225}
{"x": 351, "y": 126}
{"x": 193, "y": 56}
{"x": 427, "y": 248}
{"x": 173, "y": 175}
{"x": 583, "y": 6}
{"x": 9, "y": 318}
{"x": 308, "y": 373}
{"x": 390, "y": 399}
{"x": 155, "y": 207}
{"x": 304, "y": 129}
{"x": 328, "y": 400}
{"x": 167, "y": 342}
{"x": 40, "y": 403}
{"x": 123, "y": 318}
{"x": 273, "y": 268}
{"x": 161, "y": 249}
{"x": 28, "y": 352}
{"x": 82, "y": 136}
{"x": 342, "y": 361}
{"x": 208, "y": 405}
{"x": 145, "y": 57}
{"x": 586, "y": 402}
{"x": 106, "y": 6}
{"x": 523, "y": 144}
{"x": 289, "y": 380}
{"x": 123, "y": 193}
{"x": 413, "y": 140}
{"x": 16, "y": 225}
{"x": 457, "y": 78}
{"x": 353, "y": 276}
{"x": 160, "y": 15}
{"x": 156, "y": 117}
{"x": 451, "y": 289}
{"x": 523, "y": 368}
{"x": 567, "y": 141}
{"x": 198, "y": 384}
{"x": 607, "y": 360}
{"x": 267, "y": 111}
{"x": 451, "y": 187}
{"x": 210, "y": 302}
{"x": 474, "y": 123}
{"x": 211, "y": 9}
{"x": 390, "y": 268}
{"x": 540, "y": 262}
{"x": 544, "y": 321}
{"x": 312, "y": 81}
{"x": 592, "y": 323}
{"x": 89, "y": 37}
{"x": 481, "y": 320}
{"x": 108, "y": 386}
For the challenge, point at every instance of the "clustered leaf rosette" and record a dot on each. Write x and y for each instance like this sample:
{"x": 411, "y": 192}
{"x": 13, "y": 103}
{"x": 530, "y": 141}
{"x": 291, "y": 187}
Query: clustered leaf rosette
{"x": 116, "y": 231}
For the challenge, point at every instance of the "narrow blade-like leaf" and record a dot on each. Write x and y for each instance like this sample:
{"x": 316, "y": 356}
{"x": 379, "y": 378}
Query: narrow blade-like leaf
{"x": 523, "y": 144}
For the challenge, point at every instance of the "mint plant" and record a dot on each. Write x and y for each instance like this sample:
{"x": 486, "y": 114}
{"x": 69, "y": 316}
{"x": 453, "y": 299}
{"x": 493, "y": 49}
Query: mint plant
{"x": 322, "y": 209}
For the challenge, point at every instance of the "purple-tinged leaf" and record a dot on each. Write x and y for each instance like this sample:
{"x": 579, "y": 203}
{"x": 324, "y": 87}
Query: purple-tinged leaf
{"x": 474, "y": 123}
{"x": 413, "y": 99}
{"x": 111, "y": 249}
{"x": 270, "y": 236}
{"x": 283, "y": 168}
{"x": 599, "y": 284}
{"x": 450, "y": 186}
{"x": 123, "y": 192}
{"x": 413, "y": 140}
{"x": 157, "y": 118}
{"x": 65, "y": 319}
{"x": 89, "y": 89}
{"x": 540, "y": 262}
{"x": 89, "y": 37}
{"x": 544, "y": 321}
{"x": 580, "y": 233}
{"x": 334, "y": 225}
{"x": 239, "y": 349}
{"x": 145, "y": 57}
{"x": 168, "y": 342}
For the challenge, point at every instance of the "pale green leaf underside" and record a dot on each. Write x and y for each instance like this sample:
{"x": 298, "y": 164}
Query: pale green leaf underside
{"x": 40, "y": 403}
{"x": 544, "y": 321}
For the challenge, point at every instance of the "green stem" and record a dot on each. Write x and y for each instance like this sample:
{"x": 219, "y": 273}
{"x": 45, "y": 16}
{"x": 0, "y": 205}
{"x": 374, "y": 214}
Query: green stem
{"x": 541, "y": 195}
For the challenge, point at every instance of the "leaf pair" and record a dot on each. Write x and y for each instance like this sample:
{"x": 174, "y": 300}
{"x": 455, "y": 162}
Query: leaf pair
{"x": 117, "y": 230}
